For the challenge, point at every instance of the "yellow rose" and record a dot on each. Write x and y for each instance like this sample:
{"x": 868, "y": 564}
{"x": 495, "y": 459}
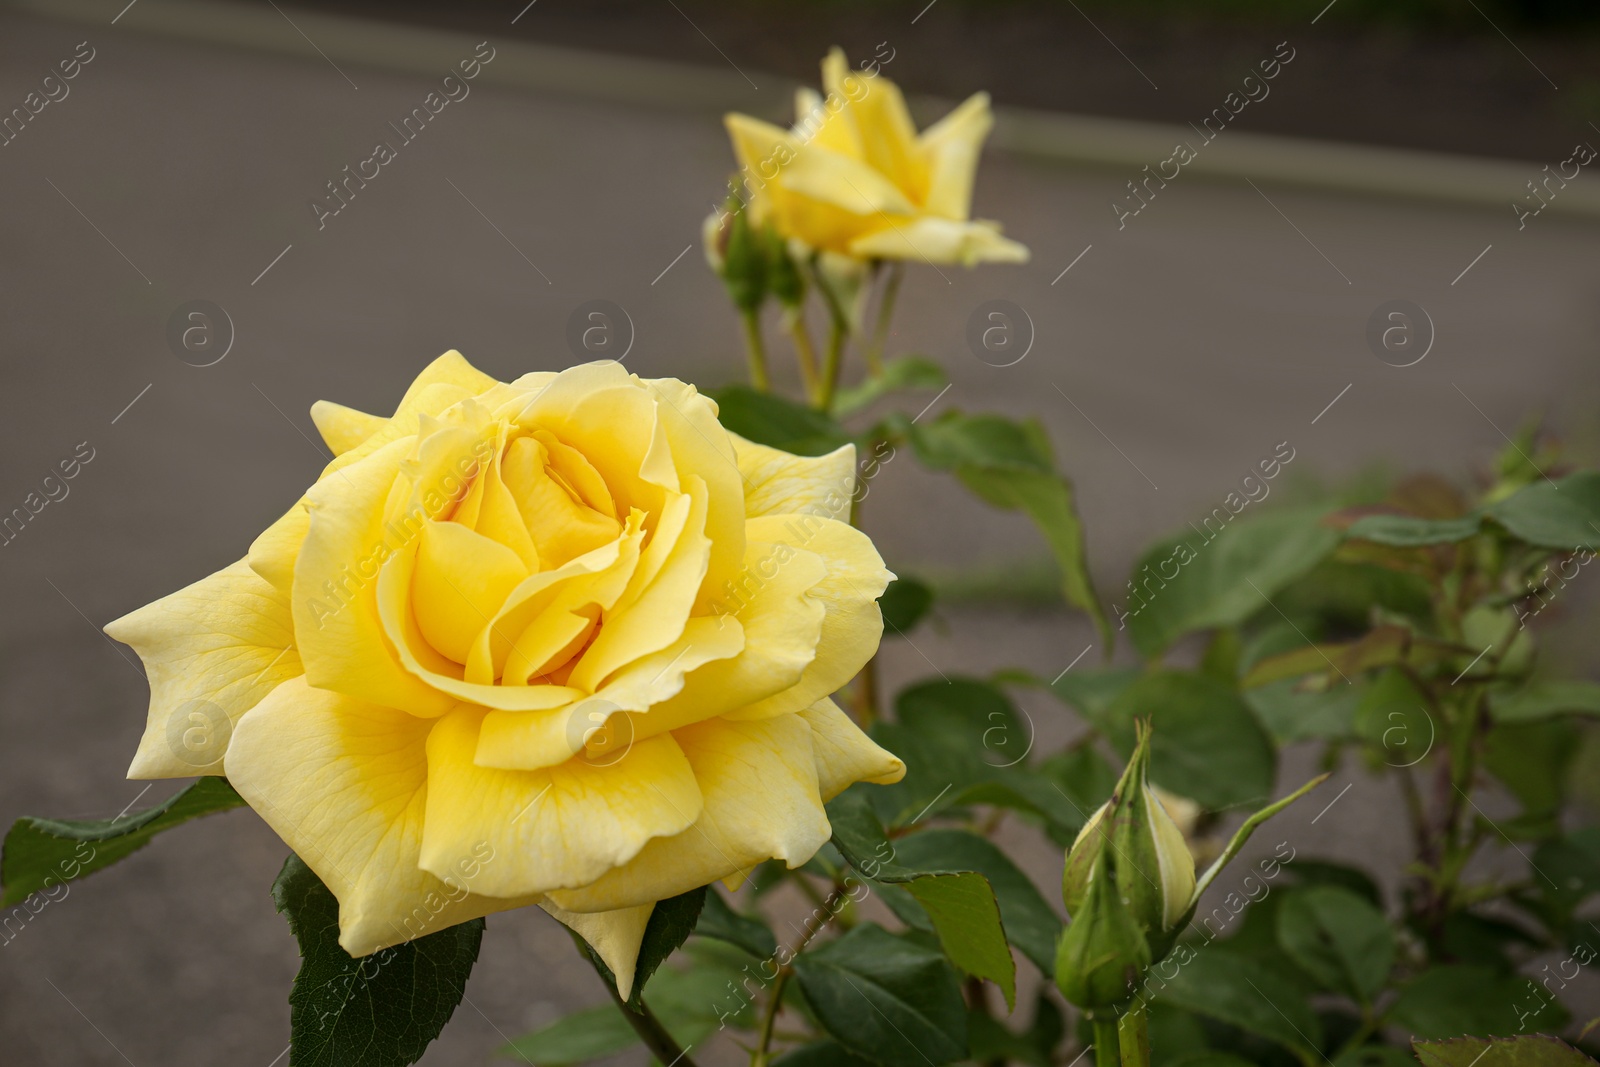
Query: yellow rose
{"x": 563, "y": 641}
{"x": 855, "y": 178}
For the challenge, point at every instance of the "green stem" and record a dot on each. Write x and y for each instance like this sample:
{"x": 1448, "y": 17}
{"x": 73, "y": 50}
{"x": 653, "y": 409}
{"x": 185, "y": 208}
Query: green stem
{"x": 794, "y": 324}
{"x": 1106, "y": 1052}
{"x": 837, "y": 333}
{"x": 761, "y": 1054}
{"x": 1133, "y": 1030}
{"x": 880, "y": 331}
{"x": 755, "y": 350}
{"x": 655, "y": 1037}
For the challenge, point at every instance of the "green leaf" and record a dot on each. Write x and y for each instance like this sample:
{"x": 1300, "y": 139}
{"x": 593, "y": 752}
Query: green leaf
{"x": 1572, "y": 863}
{"x": 1242, "y": 992}
{"x": 1030, "y": 924}
{"x": 903, "y": 372}
{"x": 580, "y": 1037}
{"x": 947, "y": 875}
{"x": 992, "y": 1042}
{"x": 1529, "y": 1050}
{"x": 378, "y": 1011}
{"x": 1542, "y": 700}
{"x": 1337, "y": 938}
{"x": 1205, "y": 579}
{"x": 696, "y": 1000}
{"x": 670, "y": 925}
{"x": 1009, "y": 465}
{"x": 1291, "y": 714}
{"x": 964, "y": 742}
{"x": 1531, "y": 759}
{"x": 966, "y": 917}
{"x": 1048, "y": 501}
{"x": 1445, "y": 1002}
{"x": 1308, "y": 872}
{"x": 41, "y": 853}
{"x": 1470, "y": 938}
{"x": 1092, "y": 691}
{"x": 886, "y": 998}
{"x": 769, "y": 419}
{"x": 1212, "y": 1059}
{"x": 1206, "y": 744}
{"x": 719, "y": 920}
{"x": 904, "y": 604}
{"x": 955, "y": 440}
{"x": 1084, "y": 775}
{"x": 1408, "y": 531}
{"x": 1564, "y": 514}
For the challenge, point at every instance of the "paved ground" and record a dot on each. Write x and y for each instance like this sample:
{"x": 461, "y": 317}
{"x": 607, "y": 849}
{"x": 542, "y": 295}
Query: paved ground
{"x": 1220, "y": 322}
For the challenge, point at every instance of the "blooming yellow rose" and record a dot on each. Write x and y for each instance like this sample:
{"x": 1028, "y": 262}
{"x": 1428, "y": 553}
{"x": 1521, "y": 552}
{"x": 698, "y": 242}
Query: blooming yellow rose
{"x": 563, "y": 641}
{"x": 854, "y": 177}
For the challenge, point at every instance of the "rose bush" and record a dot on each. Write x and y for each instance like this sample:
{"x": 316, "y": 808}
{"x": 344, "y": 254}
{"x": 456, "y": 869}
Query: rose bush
{"x": 563, "y": 641}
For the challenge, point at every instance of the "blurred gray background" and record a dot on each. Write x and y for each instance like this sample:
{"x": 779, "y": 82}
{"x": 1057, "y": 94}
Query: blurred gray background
{"x": 1227, "y": 317}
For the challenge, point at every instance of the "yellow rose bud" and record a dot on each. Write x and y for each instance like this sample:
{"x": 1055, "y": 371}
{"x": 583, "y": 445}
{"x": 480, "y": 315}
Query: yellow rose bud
{"x": 1155, "y": 874}
{"x": 564, "y": 641}
{"x": 854, "y": 177}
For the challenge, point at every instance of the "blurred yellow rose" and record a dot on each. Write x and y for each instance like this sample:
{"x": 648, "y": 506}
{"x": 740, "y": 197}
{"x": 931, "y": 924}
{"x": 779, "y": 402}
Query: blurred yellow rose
{"x": 563, "y": 641}
{"x": 854, "y": 177}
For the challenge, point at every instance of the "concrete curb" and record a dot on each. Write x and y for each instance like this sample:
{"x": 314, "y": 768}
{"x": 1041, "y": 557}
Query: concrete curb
{"x": 1052, "y": 137}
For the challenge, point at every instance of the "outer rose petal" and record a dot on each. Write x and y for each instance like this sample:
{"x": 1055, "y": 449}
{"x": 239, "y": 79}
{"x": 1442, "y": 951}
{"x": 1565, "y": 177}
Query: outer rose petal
{"x": 844, "y": 754}
{"x": 344, "y": 783}
{"x": 949, "y": 149}
{"x": 615, "y": 937}
{"x": 226, "y": 641}
{"x": 939, "y": 240}
{"x": 560, "y": 827}
{"x": 852, "y": 625}
{"x": 759, "y": 780}
{"x": 344, "y": 428}
{"x": 780, "y": 483}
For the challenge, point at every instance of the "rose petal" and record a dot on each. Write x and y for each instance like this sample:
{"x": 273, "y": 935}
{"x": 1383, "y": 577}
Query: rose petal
{"x": 344, "y": 783}
{"x": 211, "y": 651}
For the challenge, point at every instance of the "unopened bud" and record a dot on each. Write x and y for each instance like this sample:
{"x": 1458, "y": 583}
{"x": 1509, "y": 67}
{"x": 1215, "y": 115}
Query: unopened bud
{"x": 1104, "y": 952}
{"x": 1154, "y": 869}
{"x": 737, "y": 251}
